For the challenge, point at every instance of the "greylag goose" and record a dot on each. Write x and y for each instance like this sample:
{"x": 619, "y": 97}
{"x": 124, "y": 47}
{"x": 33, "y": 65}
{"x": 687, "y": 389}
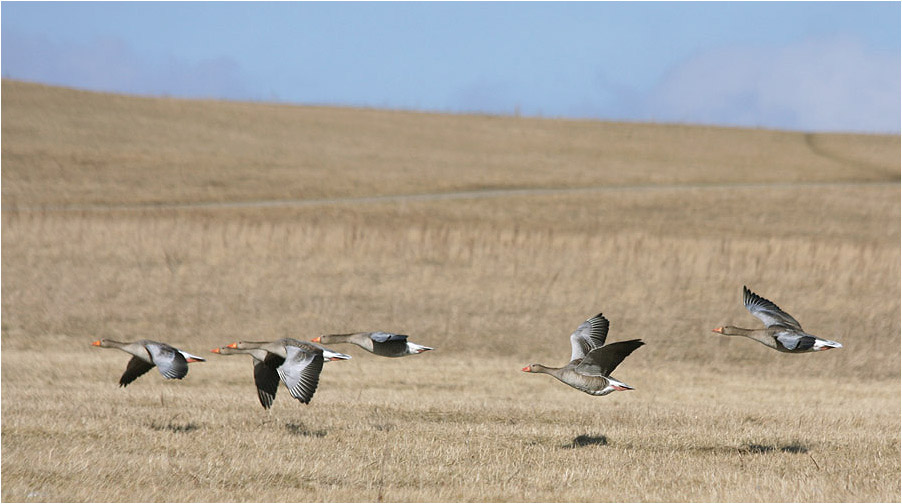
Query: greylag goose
{"x": 380, "y": 343}
{"x": 591, "y": 364}
{"x": 172, "y": 362}
{"x": 781, "y": 331}
{"x": 266, "y": 378}
{"x": 301, "y": 366}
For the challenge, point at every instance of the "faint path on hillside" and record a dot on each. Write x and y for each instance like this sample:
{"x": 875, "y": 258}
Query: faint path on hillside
{"x": 452, "y": 195}
{"x": 859, "y": 164}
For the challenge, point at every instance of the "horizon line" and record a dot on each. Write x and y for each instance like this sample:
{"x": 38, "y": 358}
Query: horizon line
{"x": 431, "y": 111}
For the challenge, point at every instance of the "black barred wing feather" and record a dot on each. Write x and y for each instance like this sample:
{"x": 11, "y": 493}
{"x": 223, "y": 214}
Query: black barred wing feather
{"x": 766, "y": 311}
{"x": 590, "y": 335}
{"x": 300, "y": 372}
{"x": 170, "y": 362}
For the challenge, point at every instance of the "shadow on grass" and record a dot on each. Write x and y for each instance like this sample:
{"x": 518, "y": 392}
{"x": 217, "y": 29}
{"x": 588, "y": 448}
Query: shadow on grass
{"x": 175, "y": 427}
{"x": 584, "y": 440}
{"x": 790, "y": 448}
{"x": 299, "y": 429}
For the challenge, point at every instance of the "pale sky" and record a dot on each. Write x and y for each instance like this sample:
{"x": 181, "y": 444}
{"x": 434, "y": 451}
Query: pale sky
{"x": 809, "y": 66}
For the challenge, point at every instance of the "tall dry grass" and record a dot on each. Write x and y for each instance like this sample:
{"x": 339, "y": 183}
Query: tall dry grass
{"x": 493, "y": 284}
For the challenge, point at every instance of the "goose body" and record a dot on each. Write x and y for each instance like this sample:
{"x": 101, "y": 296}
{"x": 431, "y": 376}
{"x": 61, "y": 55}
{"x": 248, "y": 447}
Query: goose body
{"x": 302, "y": 362}
{"x": 381, "y": 343}
{"x": 266, "y": 376}
{"x": 146, "y": 354}
{"x": 781, "y": 331}
{"x": 591, "y": 361}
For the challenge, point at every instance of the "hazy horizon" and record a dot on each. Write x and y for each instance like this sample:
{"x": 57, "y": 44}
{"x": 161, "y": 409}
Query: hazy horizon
{"x": 809, "y": 66}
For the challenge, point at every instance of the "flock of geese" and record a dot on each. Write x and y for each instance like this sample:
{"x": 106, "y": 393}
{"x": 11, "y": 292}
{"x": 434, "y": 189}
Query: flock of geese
{"x": 298, "y": 364}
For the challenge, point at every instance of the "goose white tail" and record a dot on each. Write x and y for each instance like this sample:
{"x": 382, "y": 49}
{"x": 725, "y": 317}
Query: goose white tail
{"x": 415, "y": 349}
{"x": 618, "y": 385}
{"x": 192, "y": 358}
{"x": 329, "y": 355}
{"x": 822, "y": 344}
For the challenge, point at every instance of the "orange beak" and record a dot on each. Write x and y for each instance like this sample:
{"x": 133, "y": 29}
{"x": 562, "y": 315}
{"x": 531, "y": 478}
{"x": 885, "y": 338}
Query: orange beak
{"x": 232, "y": 345}
{"x": 718, "y": 330}
{"x": 316, "y": 339}
{"x": 525, "y": 369}
{"x": 215, "y": 350}
{"x": 96, "y": 343}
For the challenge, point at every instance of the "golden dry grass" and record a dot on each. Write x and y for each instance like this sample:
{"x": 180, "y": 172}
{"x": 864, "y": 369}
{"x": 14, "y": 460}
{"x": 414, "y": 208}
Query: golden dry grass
{"x": 492, "y": 283}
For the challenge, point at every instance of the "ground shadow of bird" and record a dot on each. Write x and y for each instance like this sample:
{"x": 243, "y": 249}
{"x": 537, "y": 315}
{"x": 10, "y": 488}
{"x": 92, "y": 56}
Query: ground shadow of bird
{"x": 299, "y": 429}
{"x": 790, "y": 448}
{"x": 586, "y": 440}
{"x": 174, "y": 426}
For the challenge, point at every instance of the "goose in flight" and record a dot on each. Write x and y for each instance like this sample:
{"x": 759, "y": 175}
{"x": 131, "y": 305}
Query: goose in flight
{"x": 591, "y": 361}
{"x": 781, "y": 331}
{"x": 170, "y": 361}
{"x": 266, "y": 378}
{"x": 302, "y": 362}
{"x": 380, "y": 343}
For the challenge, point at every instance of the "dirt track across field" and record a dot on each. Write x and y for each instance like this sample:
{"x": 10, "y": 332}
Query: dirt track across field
{"x": 457, "y": 195}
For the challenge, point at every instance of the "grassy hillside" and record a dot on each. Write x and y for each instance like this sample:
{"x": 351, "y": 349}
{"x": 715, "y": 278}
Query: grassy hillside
{"x": 678, "y": 218}
{"x": 63, "y": 146}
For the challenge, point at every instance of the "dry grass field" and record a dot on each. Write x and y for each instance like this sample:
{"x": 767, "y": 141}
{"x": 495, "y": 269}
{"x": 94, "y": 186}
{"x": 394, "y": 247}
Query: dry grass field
{"x": 674, "y": 221}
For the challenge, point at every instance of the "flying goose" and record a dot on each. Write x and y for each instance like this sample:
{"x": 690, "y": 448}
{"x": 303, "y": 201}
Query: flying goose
{"x": 301, "y": 366}
{"x": 781, "y": 331}
{"x": 266, "y": 378}
{"x": 172, "y": 362}
{"x": 380, "y": 343}
{"x": 591, "y": 364}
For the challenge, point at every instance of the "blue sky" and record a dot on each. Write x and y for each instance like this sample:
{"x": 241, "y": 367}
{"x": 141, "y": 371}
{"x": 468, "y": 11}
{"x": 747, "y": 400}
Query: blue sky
{"x": 812, "y": 66}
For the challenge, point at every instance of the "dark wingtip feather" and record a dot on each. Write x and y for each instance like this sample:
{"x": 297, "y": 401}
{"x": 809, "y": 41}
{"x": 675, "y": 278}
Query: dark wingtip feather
{"x": 751, "y": 297}
{"x": 634, "y": 343}
{"x": 598, "y": 316}
{"x": 636, "y": 340}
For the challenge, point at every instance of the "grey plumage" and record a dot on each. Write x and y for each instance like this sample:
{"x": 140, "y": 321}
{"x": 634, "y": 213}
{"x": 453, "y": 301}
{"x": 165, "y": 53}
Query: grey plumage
{"x": 766, "y": 311}
{"x": 170, "y": 361}
{"x": 381, "y": 343}
{"x": 299, "y": 369}
{"x": 300, "y": 372}
{"x": 266, "y": 378}
{"x": 602, "y": 361}
{"x": 781, "y": 331}
{"x": 589, "y": 335}
{"x": 592, "y": 362}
